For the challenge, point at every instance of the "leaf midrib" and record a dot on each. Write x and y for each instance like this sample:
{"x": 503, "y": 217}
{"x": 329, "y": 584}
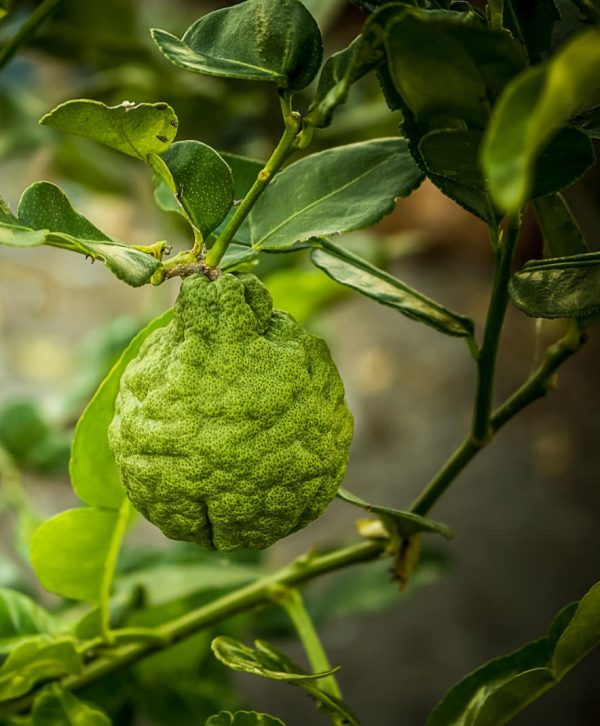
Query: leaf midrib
{"x": 310, "y": 206}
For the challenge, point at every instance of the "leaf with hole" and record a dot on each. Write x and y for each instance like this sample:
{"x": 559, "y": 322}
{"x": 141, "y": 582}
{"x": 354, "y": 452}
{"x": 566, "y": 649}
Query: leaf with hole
{"x": 349, "y": 269}
{"x": 558, "y": 287}
{"x": 134, "y": 129}
{"x": 92, "y": 467}
{"x": 334, "y": 191}
{"x": 256, "y": 40}
{"x": 530, "y": 113}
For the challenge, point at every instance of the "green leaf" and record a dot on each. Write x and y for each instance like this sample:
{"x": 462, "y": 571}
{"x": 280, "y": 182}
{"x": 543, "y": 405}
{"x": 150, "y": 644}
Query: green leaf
{"x": 258, "y": 40}
{"x": 581, "y": 635}
{"x": 454, "y": 154}
{"x": 56, "y": 706}
{"x": 334, "y": 191}
{"x": 46, "y": 216}
{"x": 163, "y": 581}
{"x": 589, "y": 122}
{"x": 69, "y": 552}
{"x": 496, "y": 692}
{"x": 243, "y": 718}
{"x": 202, "y": 182}
{"x": 18, "y": 236}
{"x": 263, "y": 660}
{"x": 444, "y": 67}
{"x": 559, "y": 287}
{"x": 44, "y": 206}
{"x": 94, "y": 474}
{"x": 349, "y": 269}
{"x": 245, "y": 172}
{"x": 558, "y": 227}
{"x": 531, "y": 111}
{"x": 133, "y": 129}
{"x": 302, "y": 292}
{"x": 20, "y": 616}
{"x": 405, "y": 524}
{"x": 35, "y": 661}
{"x": 347, "y": 66}
{"x": 5, "y": 214}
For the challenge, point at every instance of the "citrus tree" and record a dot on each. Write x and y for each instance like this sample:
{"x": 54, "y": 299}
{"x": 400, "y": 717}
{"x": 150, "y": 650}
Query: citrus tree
{"x": 224, "y": 421}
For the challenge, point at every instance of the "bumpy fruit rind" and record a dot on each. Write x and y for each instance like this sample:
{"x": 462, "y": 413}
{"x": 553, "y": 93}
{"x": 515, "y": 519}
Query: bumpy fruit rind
{"x": 230, "y": 427}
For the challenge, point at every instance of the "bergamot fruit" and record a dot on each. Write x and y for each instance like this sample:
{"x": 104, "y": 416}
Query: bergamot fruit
{"x": 230, "y": 427}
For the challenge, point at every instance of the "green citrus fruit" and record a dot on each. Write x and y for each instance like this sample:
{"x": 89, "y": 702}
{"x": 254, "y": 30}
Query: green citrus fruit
{"x": 230, "y": 427}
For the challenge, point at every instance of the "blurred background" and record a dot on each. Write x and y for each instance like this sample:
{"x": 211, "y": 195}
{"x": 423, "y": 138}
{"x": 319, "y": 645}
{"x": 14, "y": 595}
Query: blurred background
{"x": 525, "y": 514}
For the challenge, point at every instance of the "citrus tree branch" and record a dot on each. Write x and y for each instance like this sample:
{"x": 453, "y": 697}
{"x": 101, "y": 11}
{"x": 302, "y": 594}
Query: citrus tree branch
{"x": 539, "y": 383}
{"x": 486, "y": 360}
{"x": 310, "y": 566}
{"x": 301, "y": 570}
{"x": 293, "y": 125}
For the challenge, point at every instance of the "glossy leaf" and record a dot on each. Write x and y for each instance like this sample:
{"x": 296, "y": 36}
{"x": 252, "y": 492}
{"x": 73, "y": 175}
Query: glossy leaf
{"x": 94, "y": 474}
{"x": 69, "y": 552}
{"x": 581, "y": 635}
{"x": 134, "y": 129}
{"x": 334, "y": 191}
{"x": 58, "y": 706}
{"x": 44, "y": 206}
{"x": 352, "y": 271}
{"x": 46, "y": 216}
{"x": 405, "y": 524}
{"x": 243, "y": 718}
{"x": 454, "y": 154}
{"x": 531, "y": 111}
{"x": 419, "y": 46}
{"x": 559, "y": 287}
{"x": 559, "y": 228}
{"x": 35, "y": 661}
{"x": 202, "y": 182}
{"x": 20, "y": 616}
{"x": 258, "y": 40}
{"x": 496, "y": 692}
{"x": 263, "y": 660}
